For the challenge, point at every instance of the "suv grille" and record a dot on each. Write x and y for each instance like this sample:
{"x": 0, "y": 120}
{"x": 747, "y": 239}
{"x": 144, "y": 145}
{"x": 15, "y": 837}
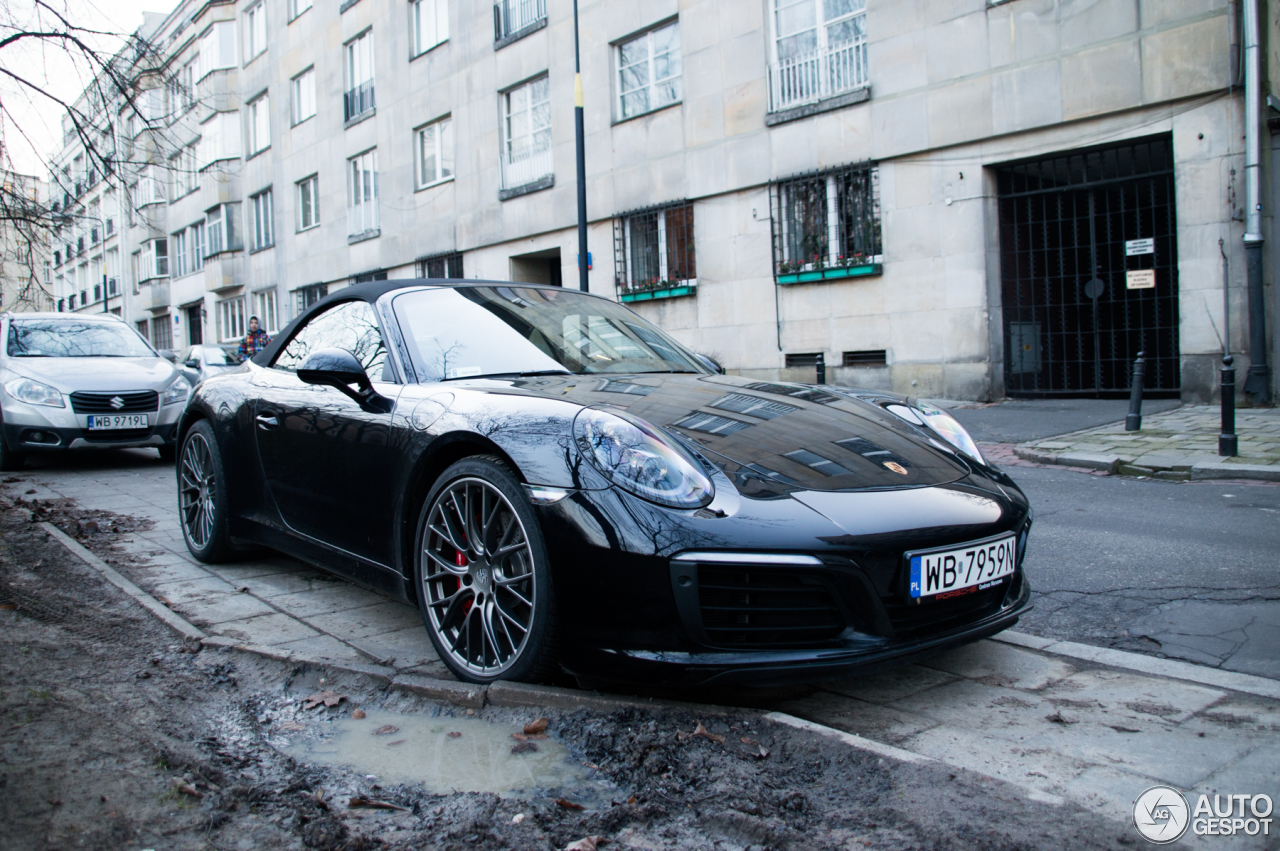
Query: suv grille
{"x": 134, "y": 402}
{"x": 750, "y": 606}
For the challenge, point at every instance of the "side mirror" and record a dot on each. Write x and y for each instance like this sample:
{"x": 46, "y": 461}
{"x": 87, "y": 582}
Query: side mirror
{"x": 170, "y": 355}
{"x": 191, "y": 363}
{"x": 338, "y": 368}
{"x": 710, "y": 363}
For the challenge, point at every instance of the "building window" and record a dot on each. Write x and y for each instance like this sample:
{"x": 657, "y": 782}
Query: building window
{"x": 182, "y": 166}
{"x": 297, "y": 7}
{"x": 179, "y": 244}
{"x": 263, "y": 234}
{"x": 819, "y": 51}
{"x": 141, "y": 325}
{"x": 447, "y": 265}
{"x": 222, "y": 231}
{"x": 827, "y": 222}
{"x": 255, "y": 31}
{"x": 304, "y": 96}
{"x": 219, "y": 138}
{"x": 649, "y": 71}
{"x": 161, "y": 332}
{"x": 196, "y": 247}
{"x": 150, "y": 188}
{"x": 435, "y": 152}
{"x": 359, "y": 76}
{"x": 217, "y": 49}
{"x": 259, "y": 124}
{"x": 153, "y": 260}
{"x": 526, "y": 133}
{"x": 187, "y": 83}
{"x": 654, "y": 248}
{"x": 308, "y": 202}
{"x": 362, "y": 193}
{"x": 510, "y": 17}
{"x": 264, "y": 307}
{"x": 308, "y": 296}
{"x": 430, "y": 24}
{"x": 231, "y": 320}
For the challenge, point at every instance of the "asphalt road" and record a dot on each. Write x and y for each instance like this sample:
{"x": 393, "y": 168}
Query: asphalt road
{"x": 1020, "y": 420}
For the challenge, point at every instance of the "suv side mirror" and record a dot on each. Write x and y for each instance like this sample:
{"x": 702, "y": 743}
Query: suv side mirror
{"x": 191, "y": 363}
{"x": 338, "y": 368}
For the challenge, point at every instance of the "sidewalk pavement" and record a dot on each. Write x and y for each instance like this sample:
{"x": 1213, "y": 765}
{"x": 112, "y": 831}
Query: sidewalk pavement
{"x": 1063, "y": 721}
{"x": 1181, "y": 444}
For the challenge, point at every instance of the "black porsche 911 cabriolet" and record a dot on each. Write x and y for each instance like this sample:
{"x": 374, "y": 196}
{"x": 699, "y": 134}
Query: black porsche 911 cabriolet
{"x": 557, "y": 484}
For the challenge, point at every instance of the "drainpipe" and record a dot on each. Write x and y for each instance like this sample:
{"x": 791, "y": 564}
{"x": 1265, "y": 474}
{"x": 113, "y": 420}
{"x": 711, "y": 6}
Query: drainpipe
{"x": 1258, "y": 383}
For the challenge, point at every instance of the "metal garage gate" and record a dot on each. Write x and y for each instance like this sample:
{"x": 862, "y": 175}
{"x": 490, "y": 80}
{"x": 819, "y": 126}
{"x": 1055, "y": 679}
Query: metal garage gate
{"x": 1088, "y": 258}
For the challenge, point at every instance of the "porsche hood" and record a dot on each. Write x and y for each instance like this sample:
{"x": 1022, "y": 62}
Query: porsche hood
{"x": 772, "y": 438}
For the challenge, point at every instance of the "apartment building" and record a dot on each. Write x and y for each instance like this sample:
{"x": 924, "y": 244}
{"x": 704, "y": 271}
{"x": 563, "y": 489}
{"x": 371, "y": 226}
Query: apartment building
{"x": 24, "y": 245}
{"x": 956, "y": 198}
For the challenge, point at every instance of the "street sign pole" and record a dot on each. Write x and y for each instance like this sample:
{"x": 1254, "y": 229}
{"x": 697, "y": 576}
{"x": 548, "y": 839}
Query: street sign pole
{"x": 582, "y": 161}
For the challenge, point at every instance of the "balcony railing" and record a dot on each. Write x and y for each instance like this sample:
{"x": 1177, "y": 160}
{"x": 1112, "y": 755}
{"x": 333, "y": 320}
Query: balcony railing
{"x": 511, "y": 16}
{"x": 357, "y": 101}
{"x": 521, "y": 171}
{"x": 817, "y": 75}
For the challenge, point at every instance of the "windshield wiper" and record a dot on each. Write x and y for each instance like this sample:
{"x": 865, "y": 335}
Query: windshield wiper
{"x": 512, "y": 374}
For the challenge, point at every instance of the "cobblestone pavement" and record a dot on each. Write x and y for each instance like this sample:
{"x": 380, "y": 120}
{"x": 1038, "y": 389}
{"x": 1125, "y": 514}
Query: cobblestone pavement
{"x": 1063, "y": 721}
{"x": 1181, "y": 444}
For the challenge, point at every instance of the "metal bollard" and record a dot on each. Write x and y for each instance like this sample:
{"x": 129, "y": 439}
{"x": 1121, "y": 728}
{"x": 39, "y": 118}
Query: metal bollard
{"x": 1133, "y": 422}
{"x": 1228, "y": 444}
{"x": 822, "y": 368}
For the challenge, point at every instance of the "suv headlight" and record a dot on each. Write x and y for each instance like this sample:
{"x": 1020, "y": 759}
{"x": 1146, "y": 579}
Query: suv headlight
{"x": 639, "y": 458}
{"x": 950, "y": 430}
{"x": 34, "y": 393}
{"x": 175, "y": 392}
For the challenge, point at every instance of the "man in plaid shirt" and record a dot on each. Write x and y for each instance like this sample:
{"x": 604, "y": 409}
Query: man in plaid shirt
{"x": 255, "y": 341}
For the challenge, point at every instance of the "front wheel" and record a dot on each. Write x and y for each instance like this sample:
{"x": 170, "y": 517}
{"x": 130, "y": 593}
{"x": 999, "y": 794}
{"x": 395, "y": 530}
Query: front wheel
{"x": 482, "y": 578}
{"x": 202, "y": 495}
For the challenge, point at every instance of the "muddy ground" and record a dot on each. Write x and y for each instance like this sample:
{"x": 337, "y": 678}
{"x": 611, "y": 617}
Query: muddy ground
{"x": 114, "y": 735}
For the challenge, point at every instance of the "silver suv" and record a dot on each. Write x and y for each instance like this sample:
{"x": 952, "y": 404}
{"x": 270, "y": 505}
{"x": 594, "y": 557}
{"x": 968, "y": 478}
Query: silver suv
{"x": 75, "y": 381}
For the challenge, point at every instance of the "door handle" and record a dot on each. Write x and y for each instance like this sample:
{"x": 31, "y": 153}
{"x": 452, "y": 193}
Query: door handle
{"x": 266, "y": 422}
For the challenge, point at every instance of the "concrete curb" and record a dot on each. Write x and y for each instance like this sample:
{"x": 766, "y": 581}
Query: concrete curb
{"x": 172, "y": 619}
{"x": 1171, "y": 668}
{"x": 1127, "y": 465}
{"x": 890, "y": 752}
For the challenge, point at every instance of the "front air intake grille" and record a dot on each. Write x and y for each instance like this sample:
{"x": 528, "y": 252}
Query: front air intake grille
{"x": 750, "y": 606}
{"x": 911, "y": 620}
{"x": 117, "y": 435}
{"x": 133, "y": 402}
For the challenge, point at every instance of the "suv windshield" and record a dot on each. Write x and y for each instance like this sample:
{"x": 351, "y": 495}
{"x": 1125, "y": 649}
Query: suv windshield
{"x": 74, "y": 338}
{"x": 217, "y": 356}
{"x": 470, "y": 332}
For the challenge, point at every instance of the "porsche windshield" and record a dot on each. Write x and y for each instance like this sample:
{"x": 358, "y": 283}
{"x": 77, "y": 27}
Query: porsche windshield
{"x": 470, "y": 332}
{"x": 74, "y": 338}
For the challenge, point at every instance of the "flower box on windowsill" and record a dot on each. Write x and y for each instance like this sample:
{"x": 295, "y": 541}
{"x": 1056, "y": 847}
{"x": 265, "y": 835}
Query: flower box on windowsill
{"x": 669, "y": 289}
{"x": 808, "y": 275}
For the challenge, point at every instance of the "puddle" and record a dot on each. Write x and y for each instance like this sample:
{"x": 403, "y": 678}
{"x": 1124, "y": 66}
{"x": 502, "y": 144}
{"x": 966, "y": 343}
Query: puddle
{"x": 421, "y": 750}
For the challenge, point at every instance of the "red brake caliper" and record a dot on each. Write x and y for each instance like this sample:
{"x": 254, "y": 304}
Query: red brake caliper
{"x": 461, "y": 561}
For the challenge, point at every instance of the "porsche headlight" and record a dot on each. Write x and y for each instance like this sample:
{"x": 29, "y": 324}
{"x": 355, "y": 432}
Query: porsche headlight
{"x": 637, "y": 457}
{"x": 34, "y": 393}
{"x": 950, "y": 430}
{"x": 176, "y": 392}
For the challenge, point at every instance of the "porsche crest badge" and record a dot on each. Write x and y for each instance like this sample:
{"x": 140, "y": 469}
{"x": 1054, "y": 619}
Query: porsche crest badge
{"x": 896, "y": 467}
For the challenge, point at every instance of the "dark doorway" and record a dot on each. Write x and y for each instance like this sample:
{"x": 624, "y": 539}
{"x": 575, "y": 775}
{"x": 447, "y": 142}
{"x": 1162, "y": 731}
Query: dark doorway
{"x": 538, "y": 267}
{"x": 195, "y": 324}
{"x": 1074, "y": 228}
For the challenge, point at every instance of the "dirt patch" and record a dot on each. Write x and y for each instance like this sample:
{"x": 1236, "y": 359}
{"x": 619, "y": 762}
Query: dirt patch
{"x": 116, "y": 735}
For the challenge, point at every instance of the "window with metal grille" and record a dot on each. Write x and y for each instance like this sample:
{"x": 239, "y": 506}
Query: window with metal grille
{"x": 819, "y": 50}
{"x": 371, "y": 275}
{"x": 801, "y": 360}
{"x": 512, "y": 17}
{"x": 869, "y": 357}
{"x": 654, "y": 248}
{"x": 309, "y": 295}
{"x": 827, "y": 221}
{"x": 161, "y": 332}
{"x": 447, "y": 265}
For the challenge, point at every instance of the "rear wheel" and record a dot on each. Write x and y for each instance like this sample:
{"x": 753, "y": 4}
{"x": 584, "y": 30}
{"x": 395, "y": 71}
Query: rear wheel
{"x": 482, "y": 578}
{"x": 202, "y": 495}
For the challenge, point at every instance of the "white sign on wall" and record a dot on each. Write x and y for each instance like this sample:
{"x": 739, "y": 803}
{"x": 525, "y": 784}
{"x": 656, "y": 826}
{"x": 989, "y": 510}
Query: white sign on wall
{"x": 1134, "y": 247}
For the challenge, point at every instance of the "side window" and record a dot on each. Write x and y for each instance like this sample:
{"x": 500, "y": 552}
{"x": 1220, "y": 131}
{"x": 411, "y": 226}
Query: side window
{"x": 350, "y": 325}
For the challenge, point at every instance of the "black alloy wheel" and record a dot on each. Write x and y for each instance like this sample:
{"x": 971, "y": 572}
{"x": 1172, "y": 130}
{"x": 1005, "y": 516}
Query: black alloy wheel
{"x": 482, "y": 579}
{"x": 202, "y": 498}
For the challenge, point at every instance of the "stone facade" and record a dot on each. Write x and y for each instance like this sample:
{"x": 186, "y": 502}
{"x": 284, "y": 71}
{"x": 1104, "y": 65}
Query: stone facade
{"x": 952, "y": 90}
